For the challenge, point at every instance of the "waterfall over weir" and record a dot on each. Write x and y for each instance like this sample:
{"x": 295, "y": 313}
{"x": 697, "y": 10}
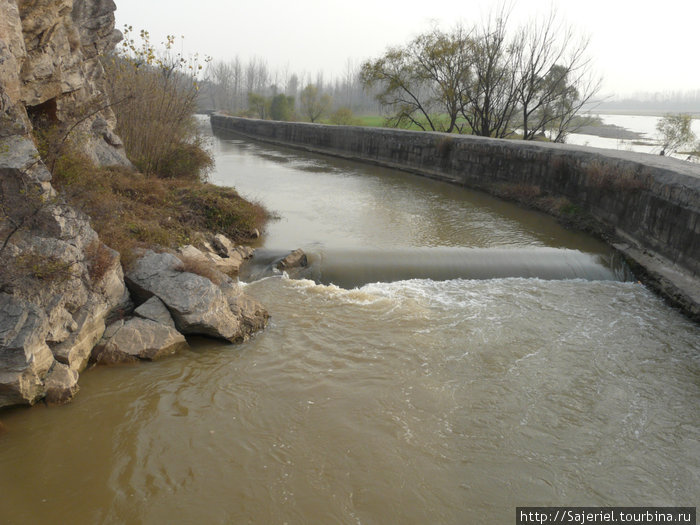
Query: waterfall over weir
{"x": 350, "y": 268}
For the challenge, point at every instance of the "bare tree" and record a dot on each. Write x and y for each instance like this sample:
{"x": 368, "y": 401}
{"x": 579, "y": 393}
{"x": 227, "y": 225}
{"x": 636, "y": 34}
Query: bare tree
{"x": 555, "y": 81}
{"x": 491, "y": 96}
{"x": 538, "y": 79}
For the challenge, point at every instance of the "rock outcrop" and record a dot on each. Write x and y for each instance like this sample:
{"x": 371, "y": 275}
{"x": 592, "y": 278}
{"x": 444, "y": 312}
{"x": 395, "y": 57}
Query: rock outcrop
{"x": 59, "y": 282}
{"x": 197, "y": 305}
{"x": 60, "y": 287}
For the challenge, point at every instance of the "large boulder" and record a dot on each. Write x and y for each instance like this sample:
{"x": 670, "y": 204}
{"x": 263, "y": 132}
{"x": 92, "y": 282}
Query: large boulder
{"x": 137, "y": 338}
{"x": 197, "y": 305}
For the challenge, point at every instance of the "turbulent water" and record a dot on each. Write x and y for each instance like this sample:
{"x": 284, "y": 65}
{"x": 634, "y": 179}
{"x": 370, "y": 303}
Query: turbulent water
{"x": 432, "y": 399}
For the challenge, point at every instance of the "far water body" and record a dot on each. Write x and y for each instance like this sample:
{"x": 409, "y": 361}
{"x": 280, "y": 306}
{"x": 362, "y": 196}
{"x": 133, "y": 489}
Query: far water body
{"x": 411, "y": 401}
{"x": 645, "y": 125}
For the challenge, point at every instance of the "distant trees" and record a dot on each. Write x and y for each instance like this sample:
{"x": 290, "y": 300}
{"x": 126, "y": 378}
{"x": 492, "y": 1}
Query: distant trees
{"x": 281, "y": 107}
{"x": 485, "y": 80}
{"x": 226, "y": 86}
{"x": 676, "y": 132}
{"x": 313, "y": 103}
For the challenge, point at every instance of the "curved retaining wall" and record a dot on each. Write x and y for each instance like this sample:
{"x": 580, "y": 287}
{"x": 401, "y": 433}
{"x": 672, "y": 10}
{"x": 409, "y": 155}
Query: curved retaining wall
{"x": 648, "y": 206}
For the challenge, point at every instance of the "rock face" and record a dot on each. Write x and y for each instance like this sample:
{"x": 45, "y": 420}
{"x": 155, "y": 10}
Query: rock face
{"x": 155, "y": 310}
{"x": 26, "y": 358}
{"x": 53, "y": 302}
{"x": 197, "y": 305}
{"x": 60, "y": 287}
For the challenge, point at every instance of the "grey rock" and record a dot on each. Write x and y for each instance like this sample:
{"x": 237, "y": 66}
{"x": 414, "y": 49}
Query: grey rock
{"x": 25, "y": 358}
{"x": 296, "y": 259}
{"x": 197, "y": 305}
{"x": 61, "y": 384}
{"x": 155, "y": 310}
{"x": 137, "y": 338}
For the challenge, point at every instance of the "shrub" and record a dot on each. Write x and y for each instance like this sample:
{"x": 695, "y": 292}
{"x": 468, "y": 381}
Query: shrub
{"x": 130, "y": 210}
{"x": 186, "y": 161}
{"x": 158, "y": 92}
{"x": 343, "y": 117}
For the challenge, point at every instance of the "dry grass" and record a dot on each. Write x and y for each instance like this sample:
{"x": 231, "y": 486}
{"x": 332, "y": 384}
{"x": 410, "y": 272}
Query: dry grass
{"x": 99, "y": 259}
{"x": 201, "y": 267}
{"x": 605, "y": 176}
{"x": 130, "y": 210}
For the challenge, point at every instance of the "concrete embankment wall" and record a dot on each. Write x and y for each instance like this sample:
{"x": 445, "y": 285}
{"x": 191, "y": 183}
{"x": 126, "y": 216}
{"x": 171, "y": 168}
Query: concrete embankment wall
{"x": 648, "y": 205}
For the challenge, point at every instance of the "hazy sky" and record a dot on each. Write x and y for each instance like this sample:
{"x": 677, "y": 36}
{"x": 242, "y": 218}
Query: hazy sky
{"x": 637, "y": 45}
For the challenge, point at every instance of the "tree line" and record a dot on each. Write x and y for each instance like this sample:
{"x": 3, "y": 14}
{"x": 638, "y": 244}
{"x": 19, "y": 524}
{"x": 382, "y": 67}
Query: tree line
{"x": 255, "y": 89}
{"x": 487, "y": 79}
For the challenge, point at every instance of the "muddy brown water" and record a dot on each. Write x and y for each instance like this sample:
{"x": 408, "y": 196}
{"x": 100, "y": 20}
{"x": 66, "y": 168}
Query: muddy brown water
{"x": 422, "y": 400}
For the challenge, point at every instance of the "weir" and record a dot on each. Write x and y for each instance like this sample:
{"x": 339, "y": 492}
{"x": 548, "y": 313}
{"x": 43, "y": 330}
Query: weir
{"x": 352, "y": 268}
{"x": 646, "y": 206}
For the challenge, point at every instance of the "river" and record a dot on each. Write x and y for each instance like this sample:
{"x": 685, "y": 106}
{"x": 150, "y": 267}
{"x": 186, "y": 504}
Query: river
{"x": 431, "y": 399}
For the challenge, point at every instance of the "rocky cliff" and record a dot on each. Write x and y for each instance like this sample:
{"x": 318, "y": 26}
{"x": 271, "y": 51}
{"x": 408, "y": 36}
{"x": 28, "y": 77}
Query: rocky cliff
{"x": 59, "y": 283}
{"x": 60, "y": 287}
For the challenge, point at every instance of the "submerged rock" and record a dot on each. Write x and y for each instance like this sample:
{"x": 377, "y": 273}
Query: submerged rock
{"x": 197, "y": 305}
{"x": 137, "y": 338}
{"x": 296, "y": 259}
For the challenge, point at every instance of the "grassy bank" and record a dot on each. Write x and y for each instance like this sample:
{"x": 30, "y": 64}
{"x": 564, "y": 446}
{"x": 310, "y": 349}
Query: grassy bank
{"x": 130, "y": 210}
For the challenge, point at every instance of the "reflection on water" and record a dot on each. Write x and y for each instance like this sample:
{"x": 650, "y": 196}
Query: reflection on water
{"x": 412, "y": 402}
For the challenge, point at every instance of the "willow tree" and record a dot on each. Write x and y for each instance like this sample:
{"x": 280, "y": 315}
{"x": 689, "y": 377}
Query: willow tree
{"x": 486, "y": 80}
{"x": 423, "y": 83}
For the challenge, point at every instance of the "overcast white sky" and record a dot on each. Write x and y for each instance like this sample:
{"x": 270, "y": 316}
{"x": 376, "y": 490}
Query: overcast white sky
{"x": 637, "y": 45}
